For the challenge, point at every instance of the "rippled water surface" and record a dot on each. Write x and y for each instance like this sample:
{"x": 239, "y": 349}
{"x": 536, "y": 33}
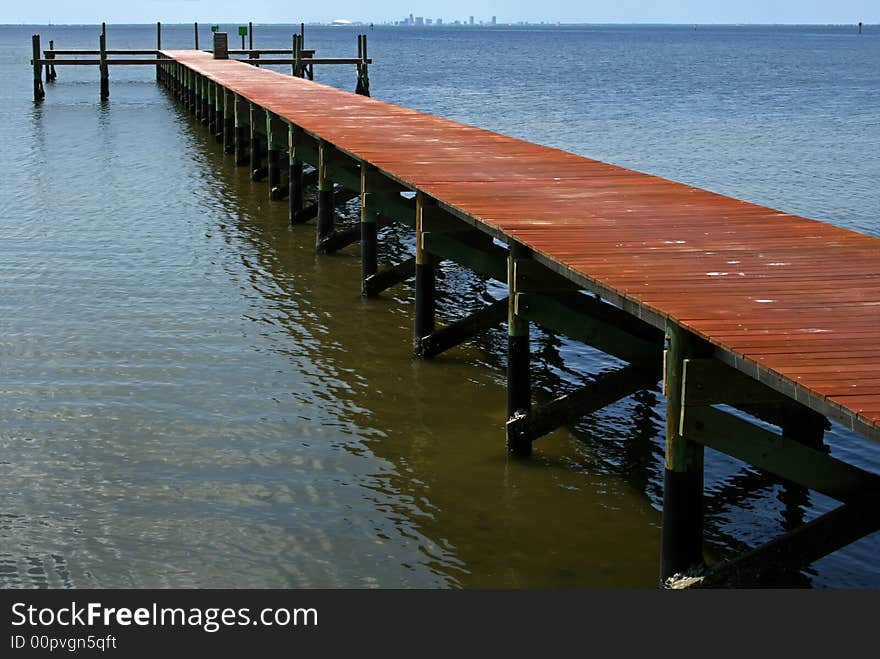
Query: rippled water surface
{"x": 190, "y": 397}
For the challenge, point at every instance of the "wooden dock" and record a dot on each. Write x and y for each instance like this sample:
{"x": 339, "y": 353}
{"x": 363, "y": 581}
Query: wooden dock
{"x": 735, "y": 304}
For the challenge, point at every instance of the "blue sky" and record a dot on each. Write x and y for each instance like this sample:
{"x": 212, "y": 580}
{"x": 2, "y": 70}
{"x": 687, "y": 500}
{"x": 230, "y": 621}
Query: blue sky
{"x": 287, "y": 11}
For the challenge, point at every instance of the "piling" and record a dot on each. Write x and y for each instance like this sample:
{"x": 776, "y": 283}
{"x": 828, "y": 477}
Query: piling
{"x": 275, "y": 145}
{"x": 250, "y": 35}
{"x": 51, "y": 74}
{"x": 326, "y": 210}
{"x": 104, "y": 69}
{"x": 682, "y": 535}
{"x": 242, "y": 130}
{"x": 258, "y": 173}
{"x": 39, "y": 92}
{"x": 424, "y": 321}
{"x": 295, "y": 181}
{"x": 158, "y": 45}
{"x": 363, "y": 80}
{"x": 228, "y": 121}
{"x": 519, "y": 383}
{"x": 196, "y": 34}
{"x": 369, "y": 227}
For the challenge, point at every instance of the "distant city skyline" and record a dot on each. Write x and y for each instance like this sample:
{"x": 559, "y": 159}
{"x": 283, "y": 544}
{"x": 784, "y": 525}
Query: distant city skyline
{"x": 386, "y": 11}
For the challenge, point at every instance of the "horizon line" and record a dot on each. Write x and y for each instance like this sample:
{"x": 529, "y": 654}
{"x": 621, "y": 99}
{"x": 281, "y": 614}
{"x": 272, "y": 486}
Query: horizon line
{"x": 354, "y": 23}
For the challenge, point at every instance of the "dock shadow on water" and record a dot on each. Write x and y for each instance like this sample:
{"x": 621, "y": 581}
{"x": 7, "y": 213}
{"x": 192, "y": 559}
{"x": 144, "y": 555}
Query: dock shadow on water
{"x": 192, "y": 398}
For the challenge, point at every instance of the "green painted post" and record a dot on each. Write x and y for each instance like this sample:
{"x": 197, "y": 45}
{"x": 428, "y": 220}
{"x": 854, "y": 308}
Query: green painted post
{"x": 104, "y": 69}
{"x": 682, "y": 534}
{"x": 39, "y": 92}
{"x": 519, "y": 380}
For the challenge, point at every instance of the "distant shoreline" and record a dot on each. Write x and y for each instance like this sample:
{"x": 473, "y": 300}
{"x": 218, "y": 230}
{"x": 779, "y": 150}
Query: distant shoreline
{"x": 545, "y": 24}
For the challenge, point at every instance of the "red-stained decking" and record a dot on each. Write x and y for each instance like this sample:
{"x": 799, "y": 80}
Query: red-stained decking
{"x": 792, "y": 301}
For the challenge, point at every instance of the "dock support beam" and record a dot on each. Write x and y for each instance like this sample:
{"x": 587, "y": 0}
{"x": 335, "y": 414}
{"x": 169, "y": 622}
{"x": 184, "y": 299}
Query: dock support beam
{"x": 326, "y": 210}
{"x": 39, "y": 92}
{"x": 682, "y": 535}
{"x": 369, "y": 227}
{"x": 519, "y": 382}
{"x": 425, "y": 272}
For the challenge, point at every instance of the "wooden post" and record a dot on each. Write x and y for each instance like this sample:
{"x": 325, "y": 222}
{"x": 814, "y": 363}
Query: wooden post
{"x": 242, "y": 130}
{"x": 196, "y": 31}
{"x": 206, "y": 106}
{"x": 275, "y": 145}
{"x": 682, "y": 534}
{"x": 228, "y": 121}
{"x": 299, "y": 71}
{"x": 519, "y": 380}
{"x": 158, "y": 46}
{"x": 251, "y": 35}
{"x": 212, "y": 106}
{"x": 191, "y": 95}
{"x": 219, "y": 113}
{"x": 39, "y": 92}
{"x": 295, "y": 182}
{"x": 363, "y": 81}
{"x": 104, "y": 69}
{"x": 369, "y": 226}
{"x": 360, "y": 56}
{"x": 258, "y": 173}
{"x": 51, "y": 74}
{"x": 424, "y": 321}
{"x": 197, "y": 85}
{"x": 366, "y": 91}
{"x": 326, "y": 210}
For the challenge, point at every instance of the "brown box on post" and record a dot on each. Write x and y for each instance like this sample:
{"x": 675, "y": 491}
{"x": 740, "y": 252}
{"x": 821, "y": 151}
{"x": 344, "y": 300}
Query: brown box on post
{"x": 221, "y": 46}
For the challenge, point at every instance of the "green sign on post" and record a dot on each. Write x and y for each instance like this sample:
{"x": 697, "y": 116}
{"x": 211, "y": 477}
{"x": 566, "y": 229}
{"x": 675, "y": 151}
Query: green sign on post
{"x": 242, "y": 31}
{"x": 215, "y": 28}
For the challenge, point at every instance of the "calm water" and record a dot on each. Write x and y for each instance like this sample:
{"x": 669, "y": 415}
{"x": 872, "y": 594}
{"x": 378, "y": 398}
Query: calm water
{"x": 189, "y": 397}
